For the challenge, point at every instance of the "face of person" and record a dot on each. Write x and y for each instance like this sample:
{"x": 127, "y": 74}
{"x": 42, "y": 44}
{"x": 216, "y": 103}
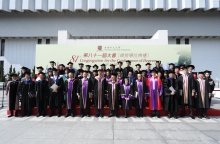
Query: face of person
{"x": 119, "y": 74}
{"x": 126, "y": 81}
{"x": 42, "y": 76}
{"x": 108, "y": 73}
{"x": 176, "y": 70}
{"x": 185, "y": 71}
{"x": 190, "y": 69}
{"x": 14, "y": 78}
{"x": 113, "y": 78}
{"x": 71, "y": 75}
{"x": 157, "y": 64}
{"x": 171, "y": 66}
{"x": 207, "y": 75}
{"x": 153, "y": 74}
{"x": 139, "y": 77}
{"x": 39, "y": 70}
{"x": 130, "y": 74}
{"x": 50, "y": 73}
{"x": 100, "y": 73}
{"x": 81, "y": 74}
{"x": 52, "y": 64}
{"x": 95, "y": 68}
{"x": 143, "y": 74}
{"x": 138, "y": 67}
{"x": 148, "y": 66}
{"x": 66, "y": 71}
{"x": 102, "y": 67}
{"x": 159, "y": 75}
{"x": 60, "y": 67}
{"x": 23, "y": 70}
{"x": 171, "y": 75}
{"x": 70, "y": 65}
{"x": 80, "y": 66}
{"x": 165, "y": 74}
{"x": 27, "y": 76}
{"x": 119, "y": 64}
{"x": 127, "y": 64}
{"x": 94, "y": 73}
{"x": 200, "y": 76}
{"x": 85, "y": 75}
{"x": 55, "y": 73}
{"x": 87, "y": 68}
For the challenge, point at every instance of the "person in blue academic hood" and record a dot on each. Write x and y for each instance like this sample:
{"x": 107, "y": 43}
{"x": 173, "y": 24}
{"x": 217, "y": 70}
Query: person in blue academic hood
{"x": 27, "y": 94}
{"x": 130, "y": 77}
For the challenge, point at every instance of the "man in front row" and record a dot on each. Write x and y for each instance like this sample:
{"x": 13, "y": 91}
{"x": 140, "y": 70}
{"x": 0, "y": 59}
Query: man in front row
{"x": 84, "y": 93}
{"x": 99, "y": 93}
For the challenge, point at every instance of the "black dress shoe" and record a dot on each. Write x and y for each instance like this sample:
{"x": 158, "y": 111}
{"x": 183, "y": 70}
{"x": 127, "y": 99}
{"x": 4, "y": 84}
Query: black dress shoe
{"x": 101, "y": 116}
{"x": 67, "y": 115}
{"x": 200, "y": 117}
{"x": 192, "y": 117}
{"x": 10, "y": 115}
{"x": 158, "y": 116}
{"x": 169, "y": 116}
{"x": 88, "y": 115}
{"x": 51, "y": 115}
{"x": 82, "y": 116}
{"x": 23, "y": 115}
{"x": 152, "y": 115}
{"x": 38, "y": 115}
{"x": 207, "y": 117}
{"x": 175, "y": 116}
{"x": 72, "y": 115}
{"x": 59, "y": 115}
{"x": 97, "y": 115}
{"x": 117, "y": 116}
{"x": 111, "y": 115}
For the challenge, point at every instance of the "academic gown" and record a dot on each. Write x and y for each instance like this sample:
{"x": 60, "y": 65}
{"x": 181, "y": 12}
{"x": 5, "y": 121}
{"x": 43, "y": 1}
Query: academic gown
{"x": 164, "y": 82}
{"x": 159, "y": 69}
{"x": 42, "y": 92}
{"x": 61, "y": 72}
{"x": 119, "y": 69}
{"x": 140, "y": 93}
{"x": 154, "y": 95}
{"x": 212, "y": 87}
{"x": 100, "y": 88}
{"x": 135, "y": 73}
{"x": 113, "y": 97}
{"x": 55, "y": 98}
{"x": 26, "y": 87}
{"x": 148, "y": 74}
{"x": 127, "y": 92}
{"x": 34, "y": 78}
{"x": 171, "y": 101}
{"x": 83, "y": 89}
{"x": 12, "y": 93}
{"x": 71, "y": 93}
{"x": 202, "y": 100}
{"x": 186, "y": 91}
{"x": 126, "y": 70}
{"x": 78, "y": 73}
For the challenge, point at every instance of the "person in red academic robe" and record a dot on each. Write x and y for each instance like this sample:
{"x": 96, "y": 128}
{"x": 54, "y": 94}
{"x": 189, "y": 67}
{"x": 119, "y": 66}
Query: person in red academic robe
{"x": 36, "y": 76}
{"x": 155, "y": 90}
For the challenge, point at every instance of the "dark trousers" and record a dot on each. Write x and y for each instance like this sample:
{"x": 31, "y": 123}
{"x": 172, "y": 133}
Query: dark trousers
{"x": 183, "y": 113}
{"x": 201, "y": 111}
{"x": 155, "y": 112}
{"x": 87, "y": 111}
{"x": 72, "y": 111}
{"x": 59, "y": 110}
{"x": 139, "y": 112}
{"x": 114, "y": 112}
{"x": 99, "y": 111}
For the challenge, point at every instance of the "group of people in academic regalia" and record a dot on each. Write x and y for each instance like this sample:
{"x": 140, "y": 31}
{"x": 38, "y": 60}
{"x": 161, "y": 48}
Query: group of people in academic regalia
{"x": 116, "y": 88}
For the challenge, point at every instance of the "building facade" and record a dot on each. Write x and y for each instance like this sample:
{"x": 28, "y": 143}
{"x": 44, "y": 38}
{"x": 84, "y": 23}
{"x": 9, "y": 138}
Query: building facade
{"x": 25, "y": 23}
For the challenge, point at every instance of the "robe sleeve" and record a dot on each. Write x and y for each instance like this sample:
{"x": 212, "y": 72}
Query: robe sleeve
{"x": 79, "y": 87}
{"x": 122, "y": 92}
{"x": 131, "y": 93}
{"x": 20, "y": 89}
{"x": 8, "y": 87}
{"x": 60, "y": 82}
{"x": 90, "y": 86}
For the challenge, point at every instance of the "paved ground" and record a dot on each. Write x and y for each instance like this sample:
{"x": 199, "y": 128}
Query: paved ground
{"x": 109, "y": 130}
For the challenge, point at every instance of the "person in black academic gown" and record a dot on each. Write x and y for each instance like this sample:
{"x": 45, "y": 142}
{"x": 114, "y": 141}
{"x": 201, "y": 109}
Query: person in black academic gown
{"x": 211, "y": 83}
{"x": 52, "y": 64}
{"x": 12, "y": 93}
{"x": 113, "y": 90}
{"x": 79, "y": 70}
{"x": 127, "y": 96}
{"x": 99, "y": 93}
{"x": 112, "y": 68}
{"x": 119, "y": 68}
{"x": 203, "y": 93}
{"x": 27, "y": 94}
{"x": 95, "y": 67}
{"x": 158, "y": 67}
{"x": 171, "y": 96}
{"x": 140, "y": 93}
{"x": 23, "y": 70}
{"x": 42, "y": 93}
{"x": 84, "y": 93}
{"x": 127, "y": 69}
{"x": 171, "y": 66}
{"x": 177, "y": 74}
{"x": 138, "y": 70}
{"x": 71, "y": 86}
{"x": 164, "y": 81}
{"x": 56, "y": 95}
{"x": 186, "y": 88}
{"x": 61, "y": 69}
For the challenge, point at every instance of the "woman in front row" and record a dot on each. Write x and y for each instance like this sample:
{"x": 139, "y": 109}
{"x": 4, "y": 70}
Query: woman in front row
{"x": 126, "y": 96}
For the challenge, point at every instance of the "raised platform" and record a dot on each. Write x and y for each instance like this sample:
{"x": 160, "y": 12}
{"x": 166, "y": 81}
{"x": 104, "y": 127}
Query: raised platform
{"x": 210, "y": 112}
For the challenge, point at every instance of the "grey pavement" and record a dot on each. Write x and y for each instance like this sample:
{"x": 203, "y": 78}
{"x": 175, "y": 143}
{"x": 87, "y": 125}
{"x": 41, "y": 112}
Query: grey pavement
{"x": 106, "y": 130}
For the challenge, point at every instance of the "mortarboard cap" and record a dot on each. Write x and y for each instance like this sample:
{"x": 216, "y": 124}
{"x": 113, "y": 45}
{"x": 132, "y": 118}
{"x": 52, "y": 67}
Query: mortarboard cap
{"x": 69, "y": 63}
{"x": 148, "y": 64}
{"x": 40, "y": 67}
{"x": 138, "y": 65}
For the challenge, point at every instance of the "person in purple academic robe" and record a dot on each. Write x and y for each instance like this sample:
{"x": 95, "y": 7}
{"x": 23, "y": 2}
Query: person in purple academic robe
{"x": 12, "y": 93}
{"x": 113, "y": 90}
{"x": 148, "y": 70}
{"x": 127, "y": 96}
{"x": 140, "y": 93}
{"x": 71, "y": 86}
{"x": 84, "y": 93}
{"x": 99, "y": 93}
{"x": 155, "y": 89}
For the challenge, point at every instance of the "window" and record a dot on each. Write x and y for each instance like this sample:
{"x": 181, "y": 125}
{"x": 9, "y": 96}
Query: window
{"x": 2, "y": 47}
{"x": 39, "y": 41}
{"x": 177, "y": 41}
{"x": 186, "y": 41}
{"x": 47, "y": 41}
